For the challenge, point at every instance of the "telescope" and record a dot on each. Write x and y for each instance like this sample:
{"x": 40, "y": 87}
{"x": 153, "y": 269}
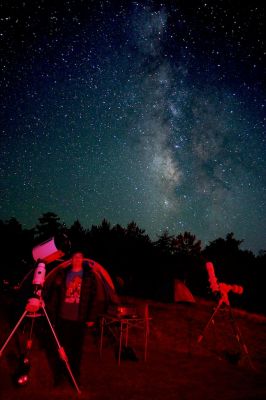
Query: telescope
{"x": 222, "y": 290}
{"x": 52, "y": 249}
{"x": 43, "y": 254}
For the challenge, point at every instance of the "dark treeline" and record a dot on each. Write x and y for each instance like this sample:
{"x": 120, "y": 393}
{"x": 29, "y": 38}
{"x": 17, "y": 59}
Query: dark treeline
{"x": 139, "y": 266}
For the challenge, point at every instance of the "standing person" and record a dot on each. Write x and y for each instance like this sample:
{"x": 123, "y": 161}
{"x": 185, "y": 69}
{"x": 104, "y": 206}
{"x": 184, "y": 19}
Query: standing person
{"x": 70, "y": 298}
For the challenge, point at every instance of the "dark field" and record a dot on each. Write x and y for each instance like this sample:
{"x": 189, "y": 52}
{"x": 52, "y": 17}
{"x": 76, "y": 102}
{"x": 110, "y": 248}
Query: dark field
{"x": 177, "y": 367}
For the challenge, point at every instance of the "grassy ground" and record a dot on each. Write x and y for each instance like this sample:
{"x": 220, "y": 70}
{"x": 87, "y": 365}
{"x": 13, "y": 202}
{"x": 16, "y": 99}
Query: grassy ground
{"x": 178, "y": 367}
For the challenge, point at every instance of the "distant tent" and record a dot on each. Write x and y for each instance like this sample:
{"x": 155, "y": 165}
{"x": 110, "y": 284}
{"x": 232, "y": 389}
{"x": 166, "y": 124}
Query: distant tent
{"x": 181, "y": 293}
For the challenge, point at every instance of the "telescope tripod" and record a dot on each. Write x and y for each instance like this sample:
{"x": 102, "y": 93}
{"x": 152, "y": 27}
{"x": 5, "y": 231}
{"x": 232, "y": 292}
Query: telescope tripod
{"x": 224, "y": 306}
{"x": 32, "y": 311}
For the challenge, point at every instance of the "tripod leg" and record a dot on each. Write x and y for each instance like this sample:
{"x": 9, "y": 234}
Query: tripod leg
{"x": 61, "y": 351}
{"x": 12, "y": 333}
{"x": 211, "y": 320}
{"x": 239, "y": 338}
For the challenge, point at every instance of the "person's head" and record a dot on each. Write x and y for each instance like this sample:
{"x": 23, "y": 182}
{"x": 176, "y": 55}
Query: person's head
{"x": 77, "y": 260}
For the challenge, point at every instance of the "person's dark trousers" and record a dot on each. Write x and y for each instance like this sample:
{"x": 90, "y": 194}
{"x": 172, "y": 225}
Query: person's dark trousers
{"x": 71, "y": 337}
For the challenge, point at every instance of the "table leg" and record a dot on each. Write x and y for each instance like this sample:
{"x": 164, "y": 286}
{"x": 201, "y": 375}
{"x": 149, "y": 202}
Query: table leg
{"x": 120, "y": 342}
{"x": 101, "y": 338}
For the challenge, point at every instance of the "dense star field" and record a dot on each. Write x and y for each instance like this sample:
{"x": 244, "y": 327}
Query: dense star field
{"x": 149, "y": 111}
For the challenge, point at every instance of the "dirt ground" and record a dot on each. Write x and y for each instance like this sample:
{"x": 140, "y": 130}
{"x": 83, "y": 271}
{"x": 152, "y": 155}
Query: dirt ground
{"x": 177, "y": 367}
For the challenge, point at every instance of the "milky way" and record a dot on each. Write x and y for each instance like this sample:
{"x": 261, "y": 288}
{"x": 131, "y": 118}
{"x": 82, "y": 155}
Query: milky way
{"x": 139, "y": 111}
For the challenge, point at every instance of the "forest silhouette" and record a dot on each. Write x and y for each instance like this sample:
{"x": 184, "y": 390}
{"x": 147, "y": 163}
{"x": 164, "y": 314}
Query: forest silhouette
{"x": 139, "y": 266}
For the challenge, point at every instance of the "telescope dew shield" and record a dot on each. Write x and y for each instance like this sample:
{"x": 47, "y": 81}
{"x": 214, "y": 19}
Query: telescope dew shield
{"x": 212, "y": 277}
{"x": 51, "y": 249}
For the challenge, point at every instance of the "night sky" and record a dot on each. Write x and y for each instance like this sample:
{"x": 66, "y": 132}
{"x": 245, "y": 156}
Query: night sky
{"x": 135, "y": 110}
